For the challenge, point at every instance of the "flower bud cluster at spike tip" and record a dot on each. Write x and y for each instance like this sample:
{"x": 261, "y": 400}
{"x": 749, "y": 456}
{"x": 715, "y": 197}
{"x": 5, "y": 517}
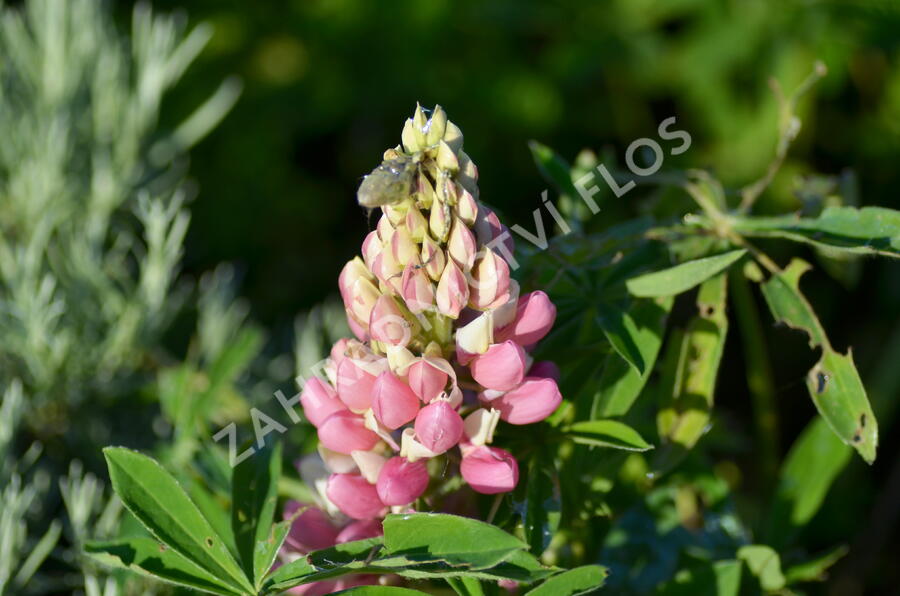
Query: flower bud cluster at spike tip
{"x": 443, "y": 336}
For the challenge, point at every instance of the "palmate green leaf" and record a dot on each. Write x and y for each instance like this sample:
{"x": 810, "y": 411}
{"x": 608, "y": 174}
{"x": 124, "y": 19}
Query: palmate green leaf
{"x": 162, "y": 506}
{"x": 382, "y": 591}
{"x": 870, "y": 230}
{"x": 815, "y": 569}
{"x": 833, "y": 382}
{"x": 254, "y": 492}
{"x": 812, "y": 464}
{"x": 426, "y": 546}
{"x": 465, "y": 586}
{"x": 580, "y": 580}
{"x": 722, "y": 578}
{"x": 683, "y": 277}
{"x": 341, "y": 559}
{"x": 148, "y": 557}
{"x": 607, "y": 433}
{"x": 553, "y": 168}
{"x": 542, "y": 506}
{"x": 623, "y": 335}
{"x": 764, "y": 563}
{"x": 620, "y": 384}
{"x": 449, "y": 538}
{"x": 688, "y": 386}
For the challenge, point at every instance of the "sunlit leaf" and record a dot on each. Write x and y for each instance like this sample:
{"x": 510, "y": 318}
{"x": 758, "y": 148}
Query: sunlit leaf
{"x": 580, "y": 580}
{"x": 683, "y": 277}
{"x": 254, "y": 491}
{"x": 870, "y": 230}
{"x": 688, "y": 387}
{"x": 833, "y": 382}
{"x": 156, "y": 499}
{"x": 764, "y": 563}
{"x": 607, "y": 433}
{"x": 148, "y": 557}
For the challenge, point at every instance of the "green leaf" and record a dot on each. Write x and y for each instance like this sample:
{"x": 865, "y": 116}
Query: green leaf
{"x": 688, "y": 388}
{"x": 619, "y": 383}
{"x": 607, "y": 433}
{"x": 833, "y": 382}
{"x": 162, "y": 506}
{"x": 722, "y": 578}
{"x": 553, "y": 168}
{"x": 580, "y": 580}
{"x": 764, "y": 563}
{"x": 623, "y": 334}
{"x": 815, "y": 570}
{"x": 683, "y": 277}
{"x": 542, "y": 503}
{"x": 465, "y": 586}
{"x": 812, "y": 464}
{"x": 254, "y": 492}
{"x": 267, "y": 550}
{"x": 870, "y": 230}
{"x": 148, "y": 557}
{"x": 382, "y": 591}
{"x": 462, "y": 541}
{"x": 341, "y": 559}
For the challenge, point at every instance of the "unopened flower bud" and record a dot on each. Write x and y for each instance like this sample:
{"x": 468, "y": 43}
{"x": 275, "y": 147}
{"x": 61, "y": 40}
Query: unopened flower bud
{"x": 461, "y": 245}
{"x": 387, "y": 323}
{"x": 436, "y": 127}
{"x": 439, "y": 221}
{"x": 452, "y": 291}
{"x": 489, "y": 281}
{"x": 446, "y": 158}
{"x": 354, "y": 496}
{"x": 345, "y": 432}
{"x": 467, "y": 207}
{"x": 476, "y": 336}
{"x": 502, "y": 367}
{"x": 417, "y": 289}
{"x": 403, "y": 249}
{"x": 416, "y": 224}
{"x": 439, "y": 426}
{"x": 401, "y": 482}
{"x": 490, "y": 470}
{"x": 432, "y": 257}
{"x": 532, "y": 401}
{"x": 319, "y": 401}
{"x": 393, "y": 402}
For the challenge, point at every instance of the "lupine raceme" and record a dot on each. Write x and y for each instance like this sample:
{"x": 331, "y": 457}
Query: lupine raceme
{"x": 443, "y": 334}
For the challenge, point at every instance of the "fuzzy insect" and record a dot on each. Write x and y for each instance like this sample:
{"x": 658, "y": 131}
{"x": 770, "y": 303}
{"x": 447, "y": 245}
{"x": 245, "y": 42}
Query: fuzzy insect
{"x": 389, "y": 183}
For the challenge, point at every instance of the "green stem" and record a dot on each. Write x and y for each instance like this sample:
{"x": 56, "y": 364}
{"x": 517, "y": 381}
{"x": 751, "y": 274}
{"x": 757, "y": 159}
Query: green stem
{"x": 759, "y": 379}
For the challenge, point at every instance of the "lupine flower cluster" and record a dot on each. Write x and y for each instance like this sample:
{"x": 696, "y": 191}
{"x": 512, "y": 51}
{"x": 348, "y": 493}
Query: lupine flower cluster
{"x": 441, "y": 352}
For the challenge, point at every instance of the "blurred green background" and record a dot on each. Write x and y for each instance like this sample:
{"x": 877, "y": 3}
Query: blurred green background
{"x": 329, "y": 83}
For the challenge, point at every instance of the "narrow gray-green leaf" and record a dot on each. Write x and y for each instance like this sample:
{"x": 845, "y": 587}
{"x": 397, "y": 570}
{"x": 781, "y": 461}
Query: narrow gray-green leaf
{"x": 607, "y": 433}
{"x": 580, "y": 580}
{"x": 148, "y": 557}
{"x": 683, "y": 277}
{"x": 162, "y": 506}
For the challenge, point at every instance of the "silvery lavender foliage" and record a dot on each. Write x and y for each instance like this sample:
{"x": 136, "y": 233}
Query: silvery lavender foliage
{"x": 92, "y": 222}
{"x": 92, "y": 218}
